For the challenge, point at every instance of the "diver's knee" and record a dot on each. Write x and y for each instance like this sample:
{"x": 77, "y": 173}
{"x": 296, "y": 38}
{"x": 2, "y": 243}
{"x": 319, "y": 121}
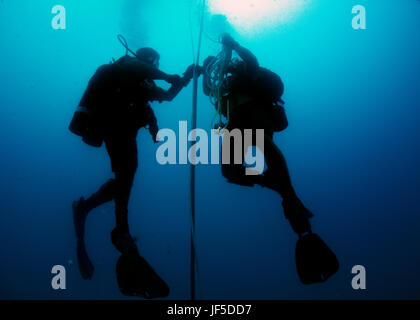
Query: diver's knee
{"x": 108, "y": 189}
{"x": 236, "y": 174}
{"x": 126, "y": 170}
{"x": 110, "y": 183}
{"x": 228, "y": 171}
{"x": 108, "y": 186}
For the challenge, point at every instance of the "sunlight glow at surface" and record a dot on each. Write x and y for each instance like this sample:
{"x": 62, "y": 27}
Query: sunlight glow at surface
{"x": 253, "y": 16}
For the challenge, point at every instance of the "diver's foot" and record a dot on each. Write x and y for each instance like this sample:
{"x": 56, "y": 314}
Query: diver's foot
{"x": 123, "y": 242}
{"x": 85, "y": 265}
{"x": 79, "y": 217}
{"x": 297, "y": 215}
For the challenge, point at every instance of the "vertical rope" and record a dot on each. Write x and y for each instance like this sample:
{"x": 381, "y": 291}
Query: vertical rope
{"x": 193, "y": 262}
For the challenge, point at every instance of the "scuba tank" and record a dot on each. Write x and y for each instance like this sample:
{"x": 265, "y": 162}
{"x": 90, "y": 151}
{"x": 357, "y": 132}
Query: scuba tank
{"x": 86, "y": 121}
{"x": 269, "y": 85}
{"x": 82, "y": 124}
{"x": 112, "y": 84}
{"x": 270, "y": 88}
{"x": 104, "y": 87}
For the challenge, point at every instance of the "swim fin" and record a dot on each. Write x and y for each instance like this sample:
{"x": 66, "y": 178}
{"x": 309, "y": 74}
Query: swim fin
{"x": 79, "y": 218}
{"x": 315, "y": 261}
{"x": 86, "y": 267}
{"x": 137, "y": 278}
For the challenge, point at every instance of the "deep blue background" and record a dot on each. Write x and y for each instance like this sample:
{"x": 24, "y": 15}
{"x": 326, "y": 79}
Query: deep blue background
{"x": 352, "y": 148}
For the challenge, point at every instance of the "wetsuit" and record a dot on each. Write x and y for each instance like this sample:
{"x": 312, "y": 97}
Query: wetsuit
{"x": 122, "y": 92}
{"x": 250, "y": 108}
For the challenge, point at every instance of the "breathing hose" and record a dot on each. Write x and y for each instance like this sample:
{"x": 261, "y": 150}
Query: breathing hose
{"x": 124, "y": 43}
{"x": 216, "y": 77}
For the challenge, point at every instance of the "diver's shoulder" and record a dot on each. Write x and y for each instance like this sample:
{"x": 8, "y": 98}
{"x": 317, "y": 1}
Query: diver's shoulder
{"x": 124, "y": 60}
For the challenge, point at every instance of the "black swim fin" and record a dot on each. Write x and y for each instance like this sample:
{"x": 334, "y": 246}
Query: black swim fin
{"x": 315, "y": 261}
{"x": 86, "y": 267}
{"x": 137, "y": 278}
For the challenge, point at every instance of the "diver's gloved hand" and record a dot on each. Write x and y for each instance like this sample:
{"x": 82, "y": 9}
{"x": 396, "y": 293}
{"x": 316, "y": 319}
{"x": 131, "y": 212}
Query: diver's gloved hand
{"x": 229, "y": 42}
{"x": 150, "y": 122}
{"x": 189, "y": 73}
{"x": 153, "y": 130}
{"x": 153, "y": 127}
{"x": 173, "y": 79}
{"x": 200, "y": 70}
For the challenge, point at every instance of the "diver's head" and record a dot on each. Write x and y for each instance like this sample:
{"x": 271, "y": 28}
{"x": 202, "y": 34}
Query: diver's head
{"x": 149, "y": 56}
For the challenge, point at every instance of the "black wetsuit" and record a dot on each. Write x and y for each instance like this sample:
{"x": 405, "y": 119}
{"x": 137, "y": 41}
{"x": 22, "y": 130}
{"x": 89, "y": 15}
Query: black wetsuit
{"x": 256, "y": 111}
{"x": 122, "y": 92}
{"x": 254, "y": 107}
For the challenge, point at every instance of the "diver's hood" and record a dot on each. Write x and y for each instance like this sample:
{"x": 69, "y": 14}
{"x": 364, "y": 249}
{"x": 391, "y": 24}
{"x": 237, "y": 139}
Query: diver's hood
{"x": 149, "y": 56}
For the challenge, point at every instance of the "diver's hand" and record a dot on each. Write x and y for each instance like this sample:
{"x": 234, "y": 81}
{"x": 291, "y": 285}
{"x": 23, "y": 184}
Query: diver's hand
{"x": 229, "y": 42}
{"x": 153, "y": 130}
{"x": 189, "y": 73}
{"x": 173, "y": 79}
{"x": 200, "y": 70}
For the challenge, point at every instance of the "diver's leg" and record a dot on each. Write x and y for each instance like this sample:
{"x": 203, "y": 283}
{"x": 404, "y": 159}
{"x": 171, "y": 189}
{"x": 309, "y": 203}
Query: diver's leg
{"x": 120, "y": 236}
{"x": 277, "y": 178}
{"x": 124, "y": 177}
{"x": 277, "y": 175}
{"x": 82, "y": 207}
{"x": 105, "y": 194}
{"x": 236, "y": 173}
{"x": 124, "y": 181}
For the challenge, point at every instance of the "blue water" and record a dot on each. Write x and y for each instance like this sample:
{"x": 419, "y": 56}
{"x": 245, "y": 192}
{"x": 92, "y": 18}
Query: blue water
{"x": 352, "y": 149}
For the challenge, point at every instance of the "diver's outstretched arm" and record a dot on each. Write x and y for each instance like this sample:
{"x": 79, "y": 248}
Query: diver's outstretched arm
{"x": 151, "y": 72}
{"x": 167, "y": 95}
{"x": 170, "y": 94}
